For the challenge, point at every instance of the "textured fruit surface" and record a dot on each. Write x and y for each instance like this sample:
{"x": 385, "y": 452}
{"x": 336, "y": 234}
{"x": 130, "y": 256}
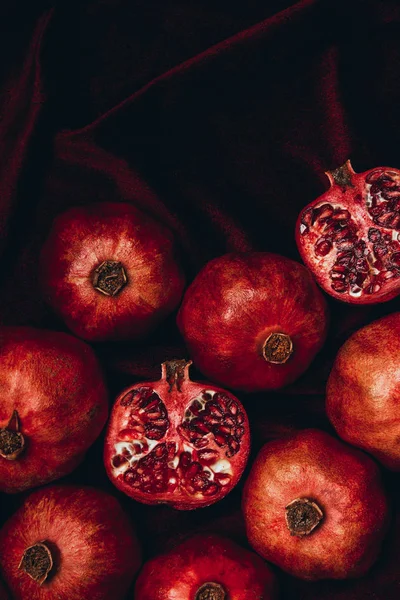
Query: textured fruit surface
{"x": 350, "y": 236}
{"x": 110, "y": 271}
{"x": 53, "y": 405}
{"x": 176, "y": 441}
{"x": 315, "y": 507}
{"x": 206, "y": 567}
{"x": 92, "y": 547}
{"x": 253, "y": 321}
{"x": 363, "y": 390}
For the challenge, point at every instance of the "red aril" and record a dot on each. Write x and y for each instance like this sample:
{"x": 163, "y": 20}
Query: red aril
{"x": 350, "y": 236}
{"x": 315, "y": 507}
{"x": 53, "y": 405}
{"x": 363, "y": 391}
{"x": 69, "y": 543}
{"x": 110, "y": 271}
{"x": 253, "y": 321}
{"x": 176, "y": 441}
{"x": 206, "y": 567}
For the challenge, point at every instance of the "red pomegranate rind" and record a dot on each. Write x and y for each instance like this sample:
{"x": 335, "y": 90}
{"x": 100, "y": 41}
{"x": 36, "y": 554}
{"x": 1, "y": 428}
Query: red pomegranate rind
{"x": 238, "y": 304}
{"x": 350, "y": 236}
{"x": 53, "y": 398}
{"x": 94, "y": 548}
{"x": 176, "y": 441}
{"x": 206, "y": 559}
{"x": 363, "y": 390}
{"x": 110, "y": 271}
{"x": 345, "y": 485}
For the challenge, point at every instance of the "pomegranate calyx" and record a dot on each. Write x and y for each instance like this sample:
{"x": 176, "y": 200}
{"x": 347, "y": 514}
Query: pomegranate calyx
{"x": 303, "y": 516}
{"x": 342, "y": 176}
{"x": 109, "y": 277}
{"x": 12, "y": 441}
{"x": 37, "y": 562}
{"x": 277, "y": 348}
{"x": 211, "y": 591}
{"x": 175, "y": 372}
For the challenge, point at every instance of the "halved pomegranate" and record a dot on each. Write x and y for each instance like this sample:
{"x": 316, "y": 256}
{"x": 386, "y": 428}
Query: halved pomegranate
{"x": 350, "y": 236}
{"x": 176, "y": 441}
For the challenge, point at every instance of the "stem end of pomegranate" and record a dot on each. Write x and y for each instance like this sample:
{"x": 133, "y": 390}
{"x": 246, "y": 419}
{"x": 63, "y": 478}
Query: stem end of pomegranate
{"x": 109, "y": 278}
{"x": 303, "y": 516}
{"x": 37, "y": 562}
{"x": 277, "y": 348}
{"x": 12, "y": 442}
{"x": 175, "y": 372}
{"x": 211, "y": 591}
{"x": 342, "y": 176}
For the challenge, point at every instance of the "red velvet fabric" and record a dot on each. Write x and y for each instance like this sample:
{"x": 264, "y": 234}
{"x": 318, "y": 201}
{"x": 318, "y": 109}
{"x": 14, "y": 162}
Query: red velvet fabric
{"x": 220, "y": 120}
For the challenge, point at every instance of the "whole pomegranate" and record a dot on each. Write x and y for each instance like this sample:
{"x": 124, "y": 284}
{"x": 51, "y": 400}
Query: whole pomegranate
{"x": 206, "y": 567}
{"x": 69, "y": 543}
{"x": 350, "y": 236}
{"x": 253, "y": 321}
{"x": 363, "y": 391}
{"x": 315, "y": 507}
{"x": 110, "y": 271}
{"x": 176, "y": 441}
{"x": 53, "y": 405}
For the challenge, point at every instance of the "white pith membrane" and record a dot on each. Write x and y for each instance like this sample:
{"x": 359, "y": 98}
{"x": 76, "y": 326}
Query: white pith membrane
{"x": 193, "y": 458}
{"x": 361, "y": 257}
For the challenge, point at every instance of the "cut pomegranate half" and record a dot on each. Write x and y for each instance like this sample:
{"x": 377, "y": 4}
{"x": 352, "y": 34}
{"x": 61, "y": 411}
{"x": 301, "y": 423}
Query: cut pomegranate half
{"x": 350, "y": 236}
{"x": 176, "y": 441}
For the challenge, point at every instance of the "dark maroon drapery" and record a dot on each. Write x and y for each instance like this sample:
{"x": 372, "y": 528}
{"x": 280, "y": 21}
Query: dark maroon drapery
{"x": 220, "y": 119}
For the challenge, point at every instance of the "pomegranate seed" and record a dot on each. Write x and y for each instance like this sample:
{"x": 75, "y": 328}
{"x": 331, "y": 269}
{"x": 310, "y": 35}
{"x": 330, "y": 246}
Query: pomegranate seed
{"x": 185, "y": 460}
{"x": 341, "y": 214}
{"x": 199, "y": 483}
{"x": 323, "y": 212}
{"x": 339, "y": 286}
{"x": 154, "y": 433}
{"x": 201, "y": 442}
{"x": 211, "y": 489}
{"x": 199, "y": 425}
{"x": 127, "y": 400}
{"x": 119, "y": 460}
{"x": 220, "y": 440}
{"x": 196, "y": 407}
{"x": 395, "y": 259}
{"x": 233, "y": 407}
{"x": 194, "y": 469}
{"x": 222, "y": 478}
{"x": 240, "y": 418}
{"x": 239, "y": 431}
{"x": 208, "y": 457}
{"x": 223, "y": 429}
{"x": 215, "y": 410}
{"x": 323, "y": 247}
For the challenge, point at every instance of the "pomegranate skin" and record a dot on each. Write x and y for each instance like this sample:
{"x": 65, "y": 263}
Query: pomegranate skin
{"x": 340, "y": 481}
{"x": 147, "y": 289}
{"x": 363, "y": 390}
{"x": 202, "y": 559}
{"x": 92, "y": 542}
{"x": 53, "y": 392}
{"x": 349, "y": 237}
{"x": 237, "y": 304}
{"x": 176, "y": 441}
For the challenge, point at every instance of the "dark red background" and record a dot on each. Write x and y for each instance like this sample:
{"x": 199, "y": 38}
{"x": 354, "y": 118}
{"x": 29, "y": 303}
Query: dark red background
{"x": 219, "y": 119}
